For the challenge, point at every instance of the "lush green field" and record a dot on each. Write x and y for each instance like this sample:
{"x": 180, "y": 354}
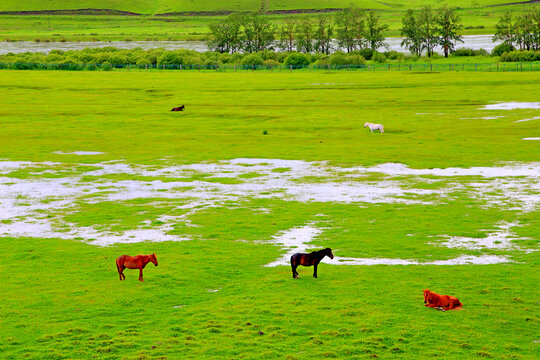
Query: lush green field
{"x": 478, "y": 17}
{"x": 165, "y": 6}
{"x": 160, "y": 175}
{"x": 110, "y": 28}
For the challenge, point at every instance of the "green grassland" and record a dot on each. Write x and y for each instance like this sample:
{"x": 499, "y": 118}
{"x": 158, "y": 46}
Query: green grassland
{"x": 166, "y": 6}
{"x": 478, "y": 18}
{"x": 111, "y": 28}
{"x": 98, "y": 109}
{"x": 62, "y": 299}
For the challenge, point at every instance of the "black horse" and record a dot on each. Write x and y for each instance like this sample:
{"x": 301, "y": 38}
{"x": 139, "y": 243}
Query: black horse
{"x": 179, "y": 108}
{"x": 311, "y": 259}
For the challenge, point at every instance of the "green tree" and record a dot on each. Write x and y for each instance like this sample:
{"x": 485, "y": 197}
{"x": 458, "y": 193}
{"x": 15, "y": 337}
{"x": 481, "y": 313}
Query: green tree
{"x": 350, "y": 29}
{"x": 258, "y": 33}
{"x": 287, "y": 34}
{"x": 535, "y": 29}
{"x": 374, "y": 30}
{"x": 225, "y": 35}
{"x": 428, "y": 29}
{"x": 505, "y": 29}
{"x": 449, "y": 26}
{"x": 304, "y": 37}
{"x": 323, "y": 35}
{"x": 412, "y": 39}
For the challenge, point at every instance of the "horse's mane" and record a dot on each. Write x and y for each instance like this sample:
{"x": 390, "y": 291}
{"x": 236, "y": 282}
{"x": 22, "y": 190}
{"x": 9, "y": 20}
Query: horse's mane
{"x": 321, "y": 251}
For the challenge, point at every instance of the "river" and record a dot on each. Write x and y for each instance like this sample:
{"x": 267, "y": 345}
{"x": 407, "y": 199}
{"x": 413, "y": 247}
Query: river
{"x": 470, "y": 41}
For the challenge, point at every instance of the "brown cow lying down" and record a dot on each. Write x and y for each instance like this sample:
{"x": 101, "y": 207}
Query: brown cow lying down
{"x": 180, "y": 108}
{"x": 442, "y": 302}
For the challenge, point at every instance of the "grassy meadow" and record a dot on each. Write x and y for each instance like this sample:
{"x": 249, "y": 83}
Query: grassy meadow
{"x": 150, "y": 7}
{"x": 146, "y": 28}
{"x": 175, "y": 175}
{"x": 478, "y": 18}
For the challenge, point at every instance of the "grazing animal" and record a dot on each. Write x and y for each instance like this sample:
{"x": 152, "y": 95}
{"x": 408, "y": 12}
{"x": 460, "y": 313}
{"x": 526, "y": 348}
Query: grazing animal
{"x": 374, "y": 127}
{"x": 179, "y": 108}
{"x": 311, "y": 259}
{"x": 134, "y": 262}
{"x": 442, "y": 302}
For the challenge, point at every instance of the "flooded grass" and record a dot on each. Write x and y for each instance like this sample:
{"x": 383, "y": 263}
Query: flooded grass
{"x": 437, "y": 201}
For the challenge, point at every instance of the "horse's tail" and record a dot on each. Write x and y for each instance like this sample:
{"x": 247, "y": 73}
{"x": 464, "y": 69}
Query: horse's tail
{"x": 118, "y": 267}
{"x": 382, "y": 129}
{"x": 293, "y": 259}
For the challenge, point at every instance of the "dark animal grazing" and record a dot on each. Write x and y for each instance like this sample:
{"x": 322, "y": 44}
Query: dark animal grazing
{"x": 179, "y": 108}
{"x": 442, "y": 302}
{"x": 134, "y": 262}
{"x": 311, "y": 259}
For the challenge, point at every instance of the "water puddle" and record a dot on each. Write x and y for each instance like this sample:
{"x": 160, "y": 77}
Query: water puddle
{"x": 296, "y": 240}
{"x": 512, "y": 106}
{"x": 530, "y": 119}
{"x": 79, "y": 153}
{"x": 35, "y": 206}
{"x": 501, "y": 239}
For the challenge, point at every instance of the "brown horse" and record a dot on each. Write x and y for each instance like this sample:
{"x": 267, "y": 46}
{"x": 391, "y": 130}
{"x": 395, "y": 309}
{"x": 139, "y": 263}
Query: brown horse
{"x": 311, "y": 259}
{"x": 134, "y": 262}
{"x": 179, "y": 108}
{"x": 442, "y": 302}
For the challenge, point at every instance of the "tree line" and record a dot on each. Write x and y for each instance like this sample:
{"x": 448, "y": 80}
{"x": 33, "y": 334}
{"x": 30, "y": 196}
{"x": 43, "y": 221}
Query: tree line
{"x": 521, "y": 31}
{"x": 350, "y": 30}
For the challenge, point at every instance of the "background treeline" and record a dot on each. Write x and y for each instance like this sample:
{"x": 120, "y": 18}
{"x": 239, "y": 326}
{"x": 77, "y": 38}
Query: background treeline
{"x": 350, "y": 30}
{"x": 354, "y": 29}
{"x": 520, "y": 32}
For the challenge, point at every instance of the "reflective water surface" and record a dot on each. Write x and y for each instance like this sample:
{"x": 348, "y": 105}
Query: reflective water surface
{"x": 470, "y": 41}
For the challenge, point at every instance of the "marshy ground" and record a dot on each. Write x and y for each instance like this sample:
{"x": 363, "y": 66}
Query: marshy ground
{"x": 259, "y": 166}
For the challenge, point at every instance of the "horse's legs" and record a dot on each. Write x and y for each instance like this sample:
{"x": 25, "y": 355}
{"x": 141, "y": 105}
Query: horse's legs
{"x": 294, "y": 273}
{"x": 315, "y": 270}
{"x": 120, "y": 271}
{"x": 140, "y": 275}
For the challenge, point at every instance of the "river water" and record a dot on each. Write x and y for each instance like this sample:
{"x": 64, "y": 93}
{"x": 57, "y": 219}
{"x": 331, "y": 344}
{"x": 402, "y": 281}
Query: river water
{"x": 470, "y": 41}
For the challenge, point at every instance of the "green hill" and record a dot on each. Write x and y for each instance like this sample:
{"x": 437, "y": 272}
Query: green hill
{"x": 168, "y": 6}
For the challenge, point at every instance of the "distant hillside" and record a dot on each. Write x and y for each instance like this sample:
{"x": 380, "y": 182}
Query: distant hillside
{"x": 218, "y": 6}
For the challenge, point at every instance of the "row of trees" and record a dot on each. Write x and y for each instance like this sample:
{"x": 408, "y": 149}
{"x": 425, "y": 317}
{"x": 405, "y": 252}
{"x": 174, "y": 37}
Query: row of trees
{"x": 352, "y": 29}
{"x": 427, "y": 28}
{"x": 521, "y": 31}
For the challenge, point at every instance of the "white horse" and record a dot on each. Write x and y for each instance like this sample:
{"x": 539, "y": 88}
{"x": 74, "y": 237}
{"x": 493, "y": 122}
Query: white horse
{"x": 374, "y": 127}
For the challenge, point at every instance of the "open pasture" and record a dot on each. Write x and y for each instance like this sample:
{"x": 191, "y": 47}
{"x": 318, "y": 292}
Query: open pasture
{"x": 42, "y": 27}
{"x": 260, "y": 166}
{"x": 150, "y": 7}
